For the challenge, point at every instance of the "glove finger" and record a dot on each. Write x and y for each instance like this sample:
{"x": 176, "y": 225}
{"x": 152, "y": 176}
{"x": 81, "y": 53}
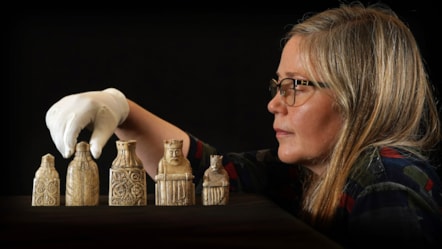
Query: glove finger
{"x": 74, "y": 125}
{"x": 56, "y": 122}
{"x": 105, "y": 125}
{"x": 54, "y": 130}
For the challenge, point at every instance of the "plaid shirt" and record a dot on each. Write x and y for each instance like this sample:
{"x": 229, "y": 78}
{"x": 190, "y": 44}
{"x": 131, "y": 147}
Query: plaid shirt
{"x": 391, "y": 198}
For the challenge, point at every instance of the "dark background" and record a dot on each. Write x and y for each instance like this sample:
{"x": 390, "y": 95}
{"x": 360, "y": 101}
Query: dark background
{"x": 204, "y": 69}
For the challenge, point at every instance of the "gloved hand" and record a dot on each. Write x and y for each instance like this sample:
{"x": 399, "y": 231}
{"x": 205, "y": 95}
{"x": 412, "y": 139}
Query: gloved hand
{"x": 101, "y": 111}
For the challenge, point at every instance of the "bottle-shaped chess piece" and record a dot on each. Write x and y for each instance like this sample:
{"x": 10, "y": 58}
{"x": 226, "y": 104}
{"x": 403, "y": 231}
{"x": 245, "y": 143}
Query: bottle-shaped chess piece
{"x": 127, "y": 177}
{"x": 82, "y": 180}
{"x": 46, "y": 188}
{"x": 215, "y": 183}
{"x": 174, "y": 180}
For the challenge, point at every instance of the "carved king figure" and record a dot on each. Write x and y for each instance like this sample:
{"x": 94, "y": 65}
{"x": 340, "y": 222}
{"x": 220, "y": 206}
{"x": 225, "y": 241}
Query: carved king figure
{"x": 174, "y": 181}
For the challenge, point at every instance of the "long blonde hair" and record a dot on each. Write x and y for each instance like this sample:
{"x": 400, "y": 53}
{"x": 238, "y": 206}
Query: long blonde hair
{"x": 372, "y": 63}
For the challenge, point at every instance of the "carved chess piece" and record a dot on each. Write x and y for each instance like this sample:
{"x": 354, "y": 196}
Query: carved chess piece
{"x": 215, "y": 183}
{"x": 82, "y": 179}
{"x": 46, "y": 189}
{"x": 127, "y": 185}
{"x": 174, "y": 181}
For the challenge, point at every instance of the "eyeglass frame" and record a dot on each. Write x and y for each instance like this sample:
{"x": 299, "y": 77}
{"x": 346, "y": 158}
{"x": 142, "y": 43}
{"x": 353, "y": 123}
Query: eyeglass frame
{"x": 274, "y": 84}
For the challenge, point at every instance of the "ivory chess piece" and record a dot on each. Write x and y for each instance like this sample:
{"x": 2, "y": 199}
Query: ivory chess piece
{"x": 46, "y": 188}
{"x": 174, "y": 181}
{"x": 215, "y": 183}
{"x": 82, "y": 179}
{"x": 127, "y": 177}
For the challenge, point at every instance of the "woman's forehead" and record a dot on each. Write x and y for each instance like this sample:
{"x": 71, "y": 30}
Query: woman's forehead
{"x": 291, "y": 65}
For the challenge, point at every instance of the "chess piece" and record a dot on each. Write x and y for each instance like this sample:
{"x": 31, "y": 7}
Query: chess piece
{"x": 82, "y": 179}
{"x": 127, "y": 179}
{"x": 46, "y": 188}
{"x": 174, "y": 181}
{"x": 215, "y": 183}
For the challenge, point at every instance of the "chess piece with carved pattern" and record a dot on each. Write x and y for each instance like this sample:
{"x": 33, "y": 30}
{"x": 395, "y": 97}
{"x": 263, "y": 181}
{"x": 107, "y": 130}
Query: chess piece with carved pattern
{"x": 46, "y": 188}
{"x": 127, "y": 180}
{"x": 82, "y": 179}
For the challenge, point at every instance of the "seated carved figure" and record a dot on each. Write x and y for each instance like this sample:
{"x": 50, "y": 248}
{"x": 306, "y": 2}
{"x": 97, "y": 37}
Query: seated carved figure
{"x": 174, "y": 181}
{"x": 216, "y": 183}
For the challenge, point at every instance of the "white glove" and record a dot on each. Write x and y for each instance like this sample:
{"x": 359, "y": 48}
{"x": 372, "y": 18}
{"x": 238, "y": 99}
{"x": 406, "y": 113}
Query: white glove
{"x": 101, "y": 111}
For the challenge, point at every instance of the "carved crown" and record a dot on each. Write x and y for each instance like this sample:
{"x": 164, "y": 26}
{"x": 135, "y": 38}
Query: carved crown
{"x": 173, "y": 143}
{"x": 216, "y": 159}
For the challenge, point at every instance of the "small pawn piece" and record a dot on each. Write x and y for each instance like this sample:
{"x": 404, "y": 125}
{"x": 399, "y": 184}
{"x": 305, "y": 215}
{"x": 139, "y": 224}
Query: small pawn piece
{"x": 215, "y": 183}
{"x": 46, "y": 188}
{"x": 82, "y": 179}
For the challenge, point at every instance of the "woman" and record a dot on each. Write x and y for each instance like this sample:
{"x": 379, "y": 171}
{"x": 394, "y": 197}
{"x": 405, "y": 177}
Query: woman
{"x": 355, "y": 118}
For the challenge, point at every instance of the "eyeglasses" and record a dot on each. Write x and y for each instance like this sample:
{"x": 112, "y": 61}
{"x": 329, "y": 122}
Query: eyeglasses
{"x": 293, "y": 91}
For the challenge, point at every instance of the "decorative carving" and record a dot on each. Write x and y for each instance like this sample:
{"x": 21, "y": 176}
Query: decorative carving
{"x": 82, "y": 180}
{"x": 127, "y": 177}
{"x": 46, "y": 188}
{"x": 174, "y": 181}
{"x": 215, "y": 183}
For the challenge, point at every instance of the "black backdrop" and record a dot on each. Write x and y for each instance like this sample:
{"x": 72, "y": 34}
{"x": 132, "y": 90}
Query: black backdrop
{"x": 205, "y": 70}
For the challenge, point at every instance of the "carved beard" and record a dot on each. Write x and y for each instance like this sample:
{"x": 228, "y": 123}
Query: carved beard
{"x": 174, "y": 161}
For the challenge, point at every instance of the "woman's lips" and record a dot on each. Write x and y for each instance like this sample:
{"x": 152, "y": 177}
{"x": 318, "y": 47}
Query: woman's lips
{"x": 281, "y": 132}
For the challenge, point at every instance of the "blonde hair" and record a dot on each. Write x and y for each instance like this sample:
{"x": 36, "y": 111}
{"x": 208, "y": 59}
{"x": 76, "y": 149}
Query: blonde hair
{"x": 372, "y": 63}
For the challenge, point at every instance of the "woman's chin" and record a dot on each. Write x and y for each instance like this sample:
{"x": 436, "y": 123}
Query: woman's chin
{"x": 287, "y": 154}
